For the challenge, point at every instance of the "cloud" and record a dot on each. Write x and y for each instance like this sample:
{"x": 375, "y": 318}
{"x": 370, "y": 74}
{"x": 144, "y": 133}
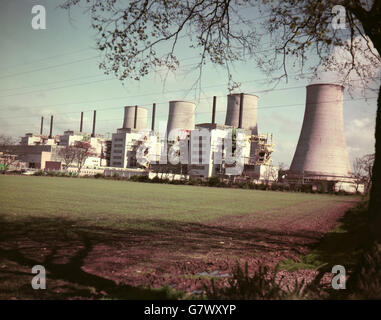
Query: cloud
{"x": 360, "y": 137}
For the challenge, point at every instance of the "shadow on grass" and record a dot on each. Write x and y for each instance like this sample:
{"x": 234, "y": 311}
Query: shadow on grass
{"x": 343, "y": 246}
{"x": 64, "y": 247}
{"x": 19, "y": 244}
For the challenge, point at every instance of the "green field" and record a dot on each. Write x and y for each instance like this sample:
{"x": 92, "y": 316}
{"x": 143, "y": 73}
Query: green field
{"x": 104, "y": 236}
{"x": 111, "y": 201}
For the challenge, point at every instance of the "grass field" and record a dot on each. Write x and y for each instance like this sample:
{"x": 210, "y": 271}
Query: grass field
{"x": 102, "y": 238}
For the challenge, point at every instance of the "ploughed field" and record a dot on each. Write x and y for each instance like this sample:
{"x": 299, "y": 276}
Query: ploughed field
{"x": 114, "y": 239}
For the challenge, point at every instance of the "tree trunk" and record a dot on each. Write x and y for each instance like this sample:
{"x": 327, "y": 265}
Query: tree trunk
{"x": 375, "y": 192}
{"x": 372, "y": 25}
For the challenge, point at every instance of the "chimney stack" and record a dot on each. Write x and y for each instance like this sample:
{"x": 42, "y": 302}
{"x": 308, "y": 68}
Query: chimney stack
{"x": 240, "y": 111}
{"x": 81, "y": 124}
{"x": 135, "y": 116}
{"x": 214, "y": 110}
{"x": 94, "y": 118}
{"x": 153, "y": 117}
{"x": 42, "y": 125}
{"x": 51, "y": 127}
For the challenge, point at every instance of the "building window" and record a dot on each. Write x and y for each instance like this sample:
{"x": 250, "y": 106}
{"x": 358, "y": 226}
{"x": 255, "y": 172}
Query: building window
{"x": 116, "y": 163}
{"x": 117, "y": 151}
{"x": 117, "y": 157}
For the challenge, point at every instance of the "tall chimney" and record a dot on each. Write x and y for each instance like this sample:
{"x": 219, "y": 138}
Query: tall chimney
{"x": 214, "y": 110}
{"x": 51, "y": 127}
{"x": 153, "y": 117}
{"x": 135, "y": 116}
{"x": 240, "y": 111}
{"x": 81, "y": 124}
{"x": 94, "y": 118}
{"x": 42, "y": 125}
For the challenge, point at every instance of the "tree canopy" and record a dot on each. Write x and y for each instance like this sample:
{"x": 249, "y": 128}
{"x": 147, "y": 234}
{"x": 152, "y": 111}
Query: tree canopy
{"x": 131, "y": 35}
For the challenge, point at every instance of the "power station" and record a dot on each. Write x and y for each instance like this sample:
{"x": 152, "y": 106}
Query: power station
{"x": 321, "y": 153}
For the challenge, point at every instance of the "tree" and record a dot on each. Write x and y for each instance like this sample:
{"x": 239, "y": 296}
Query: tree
{"x": 68, "y": 155}
{"x": 83, "y": 150}
{"x": 368, "y": 161}
{"x": 362, "y": 171}
{"x": 7, "y": 155}
{"x": 130, "y": 36}
{"x": 358, "y": 173}
{"x": 6, "y": 140}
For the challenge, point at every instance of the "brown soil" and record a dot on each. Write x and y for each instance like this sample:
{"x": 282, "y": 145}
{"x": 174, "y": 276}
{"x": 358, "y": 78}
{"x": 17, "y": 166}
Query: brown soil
{"x": 113, "y": 262}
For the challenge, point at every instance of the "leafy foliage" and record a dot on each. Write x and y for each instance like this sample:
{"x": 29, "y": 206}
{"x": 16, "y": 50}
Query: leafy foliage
{"x": 348, "y": 244}
{"x": 304, "y": 28}
{"x": 7, "y": 156}
{"x": 83, "y": 150}
{"x": 68, "y": 155}
{"x": 366, "y": 281}
{"x": 264, "y": 284}
{"x": 130, "y": 35}
{"x": 138, "y": 37}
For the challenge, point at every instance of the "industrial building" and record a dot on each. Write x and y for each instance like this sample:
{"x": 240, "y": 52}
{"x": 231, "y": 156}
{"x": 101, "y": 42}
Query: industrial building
{"x": 128, "y": 138}
{"x": 157, "y": 151}
{"x": 38, "y": 151}
{"x": 70, "y": 137}
{"x": 211, "y": 156}
{"x": 203, "y": 150}
{"x": 31, "y": 139}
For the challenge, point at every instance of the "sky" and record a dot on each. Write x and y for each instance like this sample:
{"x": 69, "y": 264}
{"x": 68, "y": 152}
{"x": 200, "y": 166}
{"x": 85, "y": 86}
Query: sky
{"x": 55, "y": 72}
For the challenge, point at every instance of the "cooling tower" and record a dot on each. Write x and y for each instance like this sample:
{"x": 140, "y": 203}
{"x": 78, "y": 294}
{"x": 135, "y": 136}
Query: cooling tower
{"x": 129, "y": 117}
{"x": 181, "y": 115}
{"x": 249, "y": 111}
{"x": 321, "y": 148}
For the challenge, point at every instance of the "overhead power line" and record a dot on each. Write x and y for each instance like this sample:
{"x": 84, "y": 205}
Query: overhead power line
{"x": 162, "y": 114}
{"x": 48, "y": 67}
{"x": 45, "y": 58}
{"x": 169, "y": 92}
{"x": 92, "y": 58}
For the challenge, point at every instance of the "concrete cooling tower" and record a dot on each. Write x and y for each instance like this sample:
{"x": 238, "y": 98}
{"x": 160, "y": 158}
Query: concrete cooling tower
{"x": 130, "y": 122}
{"x": 321, "y": 148}
{"x": 181, "y": 115}
{"x": 249, "y": 111}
